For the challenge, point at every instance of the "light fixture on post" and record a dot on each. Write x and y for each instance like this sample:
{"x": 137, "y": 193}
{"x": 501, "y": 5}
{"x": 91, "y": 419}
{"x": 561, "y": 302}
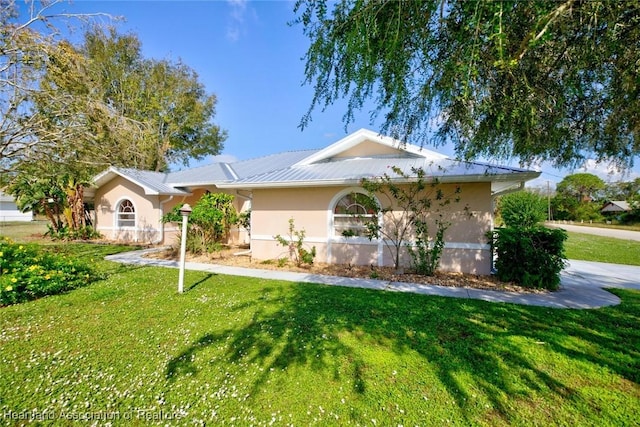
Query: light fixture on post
{"x": 185, "y": 210}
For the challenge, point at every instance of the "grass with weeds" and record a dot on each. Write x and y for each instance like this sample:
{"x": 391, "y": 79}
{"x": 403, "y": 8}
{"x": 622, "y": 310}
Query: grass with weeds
{"x": 130, "y": 350}
{"x": 25, "y": 231}
{"x": 589, "y": 247}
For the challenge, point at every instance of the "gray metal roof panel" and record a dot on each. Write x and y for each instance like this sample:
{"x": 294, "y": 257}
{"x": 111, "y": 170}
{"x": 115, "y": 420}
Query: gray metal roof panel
{"x": 154, "y": 181}
{"x": 353, "y": 170}
{"x": 273, "y": 162}
{"x": 206, "y": 175}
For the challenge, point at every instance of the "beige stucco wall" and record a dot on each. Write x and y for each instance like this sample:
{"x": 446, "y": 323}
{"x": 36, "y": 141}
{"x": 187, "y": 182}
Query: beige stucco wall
{"x": 149, "y": 210}
{"x": 311, "y": 208}
{"x": 368, "y": 149}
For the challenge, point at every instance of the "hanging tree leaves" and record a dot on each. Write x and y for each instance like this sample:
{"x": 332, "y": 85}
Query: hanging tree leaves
{"x": 28, "y": 40}
{"x": 534, "y": 80}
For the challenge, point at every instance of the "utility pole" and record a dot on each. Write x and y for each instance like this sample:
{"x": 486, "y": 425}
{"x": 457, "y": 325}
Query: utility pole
{"x": 549, "y": 202}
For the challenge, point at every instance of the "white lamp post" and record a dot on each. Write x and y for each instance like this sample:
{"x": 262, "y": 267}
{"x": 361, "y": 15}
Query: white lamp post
{"x": 185, "y": 210}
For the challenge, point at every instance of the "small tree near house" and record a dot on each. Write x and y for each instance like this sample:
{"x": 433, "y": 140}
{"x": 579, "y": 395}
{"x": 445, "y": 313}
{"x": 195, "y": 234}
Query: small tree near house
{"x": 294, "y": 242}
{"x": 410, "y": 203}
{"x": 209, "y": 222}
{"x": 60, "y": 199}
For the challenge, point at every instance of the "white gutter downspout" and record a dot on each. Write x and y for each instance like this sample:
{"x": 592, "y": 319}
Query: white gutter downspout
{"x": 161, "y": 208}
{"x": 248, "y": 197}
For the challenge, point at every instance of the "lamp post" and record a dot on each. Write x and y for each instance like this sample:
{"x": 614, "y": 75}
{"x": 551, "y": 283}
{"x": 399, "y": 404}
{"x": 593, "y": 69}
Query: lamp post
{"x": 185, "y": 210}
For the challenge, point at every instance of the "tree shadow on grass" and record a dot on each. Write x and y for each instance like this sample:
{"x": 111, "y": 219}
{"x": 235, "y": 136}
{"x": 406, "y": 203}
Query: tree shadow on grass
{"x": 483, "y": 343}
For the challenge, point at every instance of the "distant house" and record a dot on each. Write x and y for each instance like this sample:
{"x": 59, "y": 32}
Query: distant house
{"x": 315, "y": 188}
{"x": 9, "y": 210}
{"x": 616, "y": 207}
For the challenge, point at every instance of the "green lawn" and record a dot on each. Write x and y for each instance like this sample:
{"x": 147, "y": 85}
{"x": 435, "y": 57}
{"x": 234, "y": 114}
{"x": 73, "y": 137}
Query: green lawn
{"x": 27, "y": 231}
{"x": 246, "y": 351}
{"x": 588, "y": 247}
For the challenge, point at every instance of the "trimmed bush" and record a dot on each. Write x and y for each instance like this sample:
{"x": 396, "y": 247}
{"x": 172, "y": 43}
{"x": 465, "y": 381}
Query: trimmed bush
{"x": 523, "y": 209}
{"x": 28, "y": 272}
{"x": 532, "y": 257}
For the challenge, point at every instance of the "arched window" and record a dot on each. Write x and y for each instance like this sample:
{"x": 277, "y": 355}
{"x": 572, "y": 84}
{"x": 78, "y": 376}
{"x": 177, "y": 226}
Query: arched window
{"x": 350, "y": 214}
{"x": 126, "y": 214}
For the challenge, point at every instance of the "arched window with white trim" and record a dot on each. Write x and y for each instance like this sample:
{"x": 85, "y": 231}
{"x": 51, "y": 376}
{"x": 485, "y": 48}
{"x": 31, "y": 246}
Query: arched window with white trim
{"x": 350, "y": 214}
{"x": 126, "y": 214}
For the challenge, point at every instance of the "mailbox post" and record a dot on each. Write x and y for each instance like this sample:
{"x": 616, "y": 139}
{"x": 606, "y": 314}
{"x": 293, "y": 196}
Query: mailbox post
{"x": 185, "y": 210}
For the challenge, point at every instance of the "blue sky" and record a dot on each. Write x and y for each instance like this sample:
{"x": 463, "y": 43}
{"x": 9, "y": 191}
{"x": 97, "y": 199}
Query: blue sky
{"x": 251, "y": 59}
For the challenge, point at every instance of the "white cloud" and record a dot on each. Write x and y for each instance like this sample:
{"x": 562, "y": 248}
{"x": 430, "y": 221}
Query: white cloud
{"x": 608, "y": 172}
{"x": 235, "y": 28}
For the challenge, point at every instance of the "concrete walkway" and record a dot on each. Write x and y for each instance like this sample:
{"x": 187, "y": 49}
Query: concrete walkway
{"x": 583, "y": 284}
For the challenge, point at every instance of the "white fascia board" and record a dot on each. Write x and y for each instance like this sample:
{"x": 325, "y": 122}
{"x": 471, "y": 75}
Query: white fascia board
{"x": 102, "y": 177}
{"x": 361, "y": 136}
{"x": 112, "y": 172}
{"x": 506, "y": 187}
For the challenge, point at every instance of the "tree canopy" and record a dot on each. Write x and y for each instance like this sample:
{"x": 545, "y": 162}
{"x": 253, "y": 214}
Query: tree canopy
{"x": 68, "y": 111}
{"x": 533, "y": 80}
{"x": 165, "y": 97}
{"x": 140, "y": 112}
{"x": 581, "y": 186}
{"x": 85, "y": 107}
{"x": 23, "y": 55}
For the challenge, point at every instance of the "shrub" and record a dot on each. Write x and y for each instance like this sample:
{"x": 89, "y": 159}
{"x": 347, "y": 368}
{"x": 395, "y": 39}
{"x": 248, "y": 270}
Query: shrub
{"x": 532, "y": 257}
{"x": 209, "y": 222}
{"x": 28, "y": 272}
{"x": 588, "y": 212}
{"x": 405, "y": 208}
{"x": 295, "y": 243}
{"x": 85, "y": 232}
{"x": 523, "y": 209}
{"x": 426, "y": 255}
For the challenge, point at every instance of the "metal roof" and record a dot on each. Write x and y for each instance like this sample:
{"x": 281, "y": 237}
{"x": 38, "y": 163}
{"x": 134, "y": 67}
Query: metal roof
{"x": 322, "y": 167}
{"x": 260, "y": 165}
{"x": 6, "y": 197}
{"x": 151, "y": 182}
{"x": 204, "y": 175}
{"x": 351, "y": 171}
{"x": 616, "y": 206}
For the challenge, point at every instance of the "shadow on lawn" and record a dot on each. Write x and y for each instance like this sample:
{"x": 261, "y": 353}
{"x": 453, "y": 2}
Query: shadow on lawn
{"x": 482, "y": 340}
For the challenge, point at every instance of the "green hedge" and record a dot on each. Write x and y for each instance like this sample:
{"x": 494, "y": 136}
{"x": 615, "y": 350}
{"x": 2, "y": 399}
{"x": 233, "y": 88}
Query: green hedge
{"x": 523, "y": 209}
{"x": 532, "y": 257}
{"x": 28, "y": 272}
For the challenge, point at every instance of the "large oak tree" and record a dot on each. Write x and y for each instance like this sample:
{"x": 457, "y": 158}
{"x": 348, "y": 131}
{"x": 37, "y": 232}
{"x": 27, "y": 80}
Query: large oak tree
{"x": 165, "y": 97}
{"x": 534, "y": 80}
{"x": 124, "y": 109}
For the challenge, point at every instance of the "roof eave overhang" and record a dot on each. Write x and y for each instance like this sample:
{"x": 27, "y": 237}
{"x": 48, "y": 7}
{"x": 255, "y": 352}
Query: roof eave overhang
{"x": 517, "y": 178}
{"x": 106, "y": 176}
